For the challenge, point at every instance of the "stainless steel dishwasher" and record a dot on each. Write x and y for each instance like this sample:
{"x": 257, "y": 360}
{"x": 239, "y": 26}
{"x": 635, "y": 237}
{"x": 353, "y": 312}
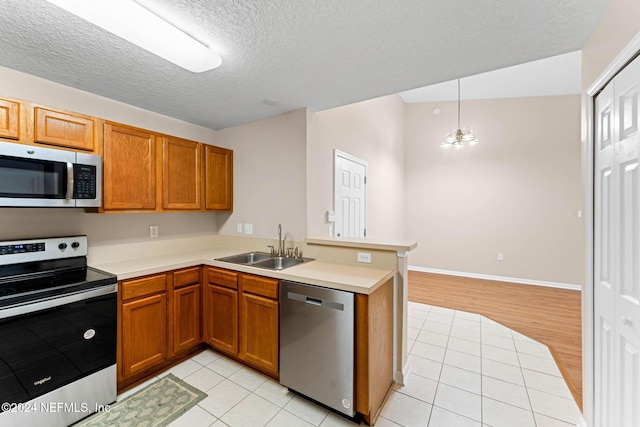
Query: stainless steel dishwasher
{"x": 317, "y": 344}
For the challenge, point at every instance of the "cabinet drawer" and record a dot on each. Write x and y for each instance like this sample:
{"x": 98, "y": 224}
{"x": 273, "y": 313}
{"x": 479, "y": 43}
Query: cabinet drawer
{"x": 188, "y": 276}
{"x": 262, "y": 286}
{"x": 145, "y": 286}
{"x": 225, "y": 278}
{"x": 63, "y": 129}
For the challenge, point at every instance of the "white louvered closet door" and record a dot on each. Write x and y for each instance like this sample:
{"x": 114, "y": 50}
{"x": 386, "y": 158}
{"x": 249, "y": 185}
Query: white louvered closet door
{"x": 617, "y": 251}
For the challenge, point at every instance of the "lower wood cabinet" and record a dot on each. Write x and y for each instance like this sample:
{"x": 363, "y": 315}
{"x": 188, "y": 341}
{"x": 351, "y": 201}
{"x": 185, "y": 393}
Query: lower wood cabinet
{"x": 221, "y": 310}
{"x": 165, "y": 317}
{"x": 259, "y": 323}
{"x": 185, "y": 330}
{"x": 374, "y": 350}
{"x": 143, "y": 324}
{"x": 241, "y": 317}
{"x": 159, "y": 318}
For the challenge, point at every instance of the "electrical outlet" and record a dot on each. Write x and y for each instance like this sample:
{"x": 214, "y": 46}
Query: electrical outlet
{"x": 248, "y": 229}
{"x": 364, "y": 257}
{"x": 500, "y": 257}
{"x": 239, "y": 227}
{"x": 153, "y": 231}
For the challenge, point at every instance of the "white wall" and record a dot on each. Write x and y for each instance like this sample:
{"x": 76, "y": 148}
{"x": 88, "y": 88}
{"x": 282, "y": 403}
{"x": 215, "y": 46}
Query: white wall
{"x": 100, "y": 228}
{"x": 518, "y": 192}
{"x": 373, "y": 131}
{"x": 269, "y": 175}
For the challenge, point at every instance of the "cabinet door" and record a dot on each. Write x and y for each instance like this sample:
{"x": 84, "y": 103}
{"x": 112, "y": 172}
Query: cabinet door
{"x": 221, "y": 318}
{"x": 259, "y": 332}
{"x": 129, "y": 168}
{"x": 9, "y": 119}
{"x": 181, "y": 176}
{"x": 144, "y": 333}
{"x": 218, "y": 179}
{"x": 64, "y": 129}
{"x": 185, "y": 320}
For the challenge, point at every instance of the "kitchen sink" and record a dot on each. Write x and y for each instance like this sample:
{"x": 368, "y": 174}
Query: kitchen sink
{"x": 246, "y": 258}
{"x": 278, "y": 263}
{"x": 264, "y": 260}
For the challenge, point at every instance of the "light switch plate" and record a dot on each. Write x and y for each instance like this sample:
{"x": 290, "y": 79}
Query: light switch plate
{"x": 248, "y": 229}
{"x": 239, "y": 227}
{"x": 153, "y": 231}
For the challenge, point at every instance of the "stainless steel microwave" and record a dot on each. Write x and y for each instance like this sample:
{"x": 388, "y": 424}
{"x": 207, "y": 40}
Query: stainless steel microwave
{"x": 32, "y": 176}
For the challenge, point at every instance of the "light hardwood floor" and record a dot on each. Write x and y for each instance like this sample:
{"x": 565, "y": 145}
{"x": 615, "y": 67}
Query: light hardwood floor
{"x": 548, "y": 315}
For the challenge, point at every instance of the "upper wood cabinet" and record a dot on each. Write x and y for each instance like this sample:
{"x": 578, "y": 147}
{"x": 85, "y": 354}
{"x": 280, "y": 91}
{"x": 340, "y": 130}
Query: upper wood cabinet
{"x": 218, "y": 179}
{"x": 181, "y": 174}
{"x": 63, "y": 129}
{"x": 129, "y": 168}
{"x": 142, "y": 170}
{"x": 9, "y": 119}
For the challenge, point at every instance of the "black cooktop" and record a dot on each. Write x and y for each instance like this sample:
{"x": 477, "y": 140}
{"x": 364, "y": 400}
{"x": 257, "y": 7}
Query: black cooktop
{"x": 32, "y": 281}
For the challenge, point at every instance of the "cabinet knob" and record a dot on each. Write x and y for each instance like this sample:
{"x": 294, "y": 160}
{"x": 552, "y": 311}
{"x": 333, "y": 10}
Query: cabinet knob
{"x": 626, "y": 321}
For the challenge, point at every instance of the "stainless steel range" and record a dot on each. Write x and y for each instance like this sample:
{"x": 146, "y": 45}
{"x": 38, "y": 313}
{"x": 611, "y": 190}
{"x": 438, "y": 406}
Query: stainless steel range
{"x": 57, "y": 333}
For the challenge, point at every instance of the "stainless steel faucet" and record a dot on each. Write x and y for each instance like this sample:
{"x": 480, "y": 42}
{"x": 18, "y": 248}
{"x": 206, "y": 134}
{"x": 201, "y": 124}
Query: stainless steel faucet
{"x": 280, "y": 241}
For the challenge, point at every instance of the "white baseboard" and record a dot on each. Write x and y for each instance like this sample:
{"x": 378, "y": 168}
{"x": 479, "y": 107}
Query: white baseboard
{"x": 569, "y": 286}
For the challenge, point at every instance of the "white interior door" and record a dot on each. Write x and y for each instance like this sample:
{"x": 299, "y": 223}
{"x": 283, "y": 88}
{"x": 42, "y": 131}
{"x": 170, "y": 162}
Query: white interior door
{"x": 350, "y": 195}
{"x": 627, "y": 289}
{"x": 617, "y": 251}
{"x": 604, "y": 256}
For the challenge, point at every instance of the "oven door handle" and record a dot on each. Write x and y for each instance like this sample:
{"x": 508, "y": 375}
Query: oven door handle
{"x": 34, "y": 306}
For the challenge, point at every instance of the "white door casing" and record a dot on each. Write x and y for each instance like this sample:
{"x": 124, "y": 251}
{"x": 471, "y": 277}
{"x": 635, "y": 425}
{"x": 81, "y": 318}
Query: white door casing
{"x": 349, "y": 195}
{"x": 617, "y": 251}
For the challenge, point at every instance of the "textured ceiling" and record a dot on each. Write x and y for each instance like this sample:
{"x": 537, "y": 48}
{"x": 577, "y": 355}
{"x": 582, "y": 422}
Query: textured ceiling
{"x": 299, "y": 53}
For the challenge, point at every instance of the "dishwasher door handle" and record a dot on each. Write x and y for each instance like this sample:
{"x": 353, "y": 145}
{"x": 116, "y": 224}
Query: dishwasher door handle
{"x": 315, "y": 301}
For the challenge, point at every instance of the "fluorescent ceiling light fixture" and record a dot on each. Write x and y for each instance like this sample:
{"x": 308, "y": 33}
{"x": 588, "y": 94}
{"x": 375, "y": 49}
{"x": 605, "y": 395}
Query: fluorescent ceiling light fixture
{"x": 140, "y": 26}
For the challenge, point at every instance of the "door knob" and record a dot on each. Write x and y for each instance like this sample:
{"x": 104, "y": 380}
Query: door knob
{"x": 626, "y": 321}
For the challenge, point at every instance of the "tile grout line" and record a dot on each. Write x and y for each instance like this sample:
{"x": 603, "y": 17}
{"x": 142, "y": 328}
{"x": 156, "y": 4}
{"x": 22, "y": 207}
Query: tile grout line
{"x": 526, "y": 387}
{"x": 440, "y": 373}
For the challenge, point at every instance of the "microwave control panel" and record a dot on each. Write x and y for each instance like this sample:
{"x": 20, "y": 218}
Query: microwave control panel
{"x": 84, "y": 181}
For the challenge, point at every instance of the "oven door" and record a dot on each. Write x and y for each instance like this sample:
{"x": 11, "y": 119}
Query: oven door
{"x": 49, "y": 344}
{"x": 35, "y": 176}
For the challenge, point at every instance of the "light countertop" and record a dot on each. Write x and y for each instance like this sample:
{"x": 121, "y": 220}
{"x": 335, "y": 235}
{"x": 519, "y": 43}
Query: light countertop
{"x": 347, "y": 277}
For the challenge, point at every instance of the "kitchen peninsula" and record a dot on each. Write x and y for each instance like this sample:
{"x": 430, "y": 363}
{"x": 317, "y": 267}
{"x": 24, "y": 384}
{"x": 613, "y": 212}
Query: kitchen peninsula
{"x": 176, "y": 290}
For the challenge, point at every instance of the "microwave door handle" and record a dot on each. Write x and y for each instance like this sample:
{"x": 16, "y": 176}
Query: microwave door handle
{"x": 69, "y": 195}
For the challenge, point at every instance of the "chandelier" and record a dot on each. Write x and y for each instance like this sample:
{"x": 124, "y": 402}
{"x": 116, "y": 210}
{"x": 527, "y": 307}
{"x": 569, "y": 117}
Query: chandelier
{"x": 460, "y": 136}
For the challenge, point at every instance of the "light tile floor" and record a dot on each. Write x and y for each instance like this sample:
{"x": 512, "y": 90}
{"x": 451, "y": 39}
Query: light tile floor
{"x": 465, "y": 370}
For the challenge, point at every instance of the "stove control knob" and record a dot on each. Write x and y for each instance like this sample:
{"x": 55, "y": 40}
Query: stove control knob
{"x": 75, "y": 245}
{"x": 62, "y": 246}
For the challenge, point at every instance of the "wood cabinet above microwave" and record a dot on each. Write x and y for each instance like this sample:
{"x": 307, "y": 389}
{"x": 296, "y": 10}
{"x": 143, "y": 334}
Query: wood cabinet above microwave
{"x": 9, "y": 119}
{"x": 64, "y": 129}
{"x": 34, "y": 124}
